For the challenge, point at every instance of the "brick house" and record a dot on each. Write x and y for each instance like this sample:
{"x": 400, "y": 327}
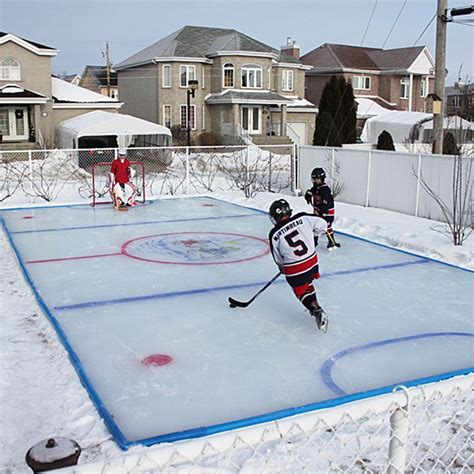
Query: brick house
{"x": 397, "y": 79}
{"x": 94, "y": 78}
{"x": 460, "y": 100}
{"x": 32, "y": 102}
{"x": 245, "y": 89}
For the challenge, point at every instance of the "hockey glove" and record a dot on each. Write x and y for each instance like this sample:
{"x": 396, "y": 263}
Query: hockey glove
{"x": 308, "y": 196}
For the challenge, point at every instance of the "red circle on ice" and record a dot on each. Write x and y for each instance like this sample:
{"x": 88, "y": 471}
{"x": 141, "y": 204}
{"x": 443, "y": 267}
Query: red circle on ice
{"x": 156, "y": 360}
{"x": 28, "y": 217}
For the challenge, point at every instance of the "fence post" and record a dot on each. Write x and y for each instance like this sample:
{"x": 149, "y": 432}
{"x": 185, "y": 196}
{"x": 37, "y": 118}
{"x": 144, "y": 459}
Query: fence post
{"x": 187, "y": 171}
{"x": 399, "y": 425}
{"x": 417, "y": 202}
{"x": 30, "y": 165}
{"x": 369, "y": 165}
{"x": 294, "y": 168}
{"x": 333, "y": 161}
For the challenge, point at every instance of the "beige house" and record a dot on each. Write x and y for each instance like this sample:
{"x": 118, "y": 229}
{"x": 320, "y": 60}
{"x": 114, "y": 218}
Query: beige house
{"x": 95, "y": 78}
{"x": 397, "y": 79}
{"x": 244, "y": 89}
{"x": 32, "y": 102}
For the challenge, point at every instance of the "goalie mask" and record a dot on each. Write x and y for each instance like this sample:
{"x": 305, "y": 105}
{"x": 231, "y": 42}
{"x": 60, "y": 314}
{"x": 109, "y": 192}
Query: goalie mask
{"x": 278, "y": 210}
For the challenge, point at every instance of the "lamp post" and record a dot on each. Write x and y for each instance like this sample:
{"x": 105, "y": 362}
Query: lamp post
{"x": 192, "y": 86}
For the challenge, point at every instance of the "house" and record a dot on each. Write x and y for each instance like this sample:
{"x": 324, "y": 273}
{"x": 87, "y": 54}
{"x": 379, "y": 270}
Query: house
{"x": 234, "y": 85}
{"x": 460, "y": 100}
{"x": 397, "y": 79}
{"x": 96, "y": 78}
{"x": 32, "y": 102}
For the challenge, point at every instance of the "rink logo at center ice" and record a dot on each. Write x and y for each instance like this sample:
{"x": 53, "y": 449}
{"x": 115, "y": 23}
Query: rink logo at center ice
{"x": 196, "y": 248}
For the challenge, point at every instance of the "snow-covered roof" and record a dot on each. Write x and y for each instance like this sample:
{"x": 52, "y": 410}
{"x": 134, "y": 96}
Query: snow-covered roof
{"x": 453, "y": 122}
{"x": 369, "y": 108}
{"x": 100, "y": 123}
{"x": 64, "y": 91}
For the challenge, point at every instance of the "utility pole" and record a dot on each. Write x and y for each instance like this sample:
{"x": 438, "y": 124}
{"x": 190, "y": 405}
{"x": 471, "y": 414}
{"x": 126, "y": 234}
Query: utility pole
{"x": 440, "y": 73}
{"x": 107, "y": 67}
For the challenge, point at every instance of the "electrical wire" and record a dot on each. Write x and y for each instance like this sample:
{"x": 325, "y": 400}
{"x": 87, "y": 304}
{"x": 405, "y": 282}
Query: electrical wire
{"x": 394, "y": 23}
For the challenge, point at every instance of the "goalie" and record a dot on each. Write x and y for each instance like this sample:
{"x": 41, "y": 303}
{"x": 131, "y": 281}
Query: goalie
{"x": 121, "y": 189}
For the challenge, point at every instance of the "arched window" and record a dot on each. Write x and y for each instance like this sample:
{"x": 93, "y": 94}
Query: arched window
{"x": 10, "y": 69}
{"x": 252, "y": 76}
{"x": 228, "y": 75}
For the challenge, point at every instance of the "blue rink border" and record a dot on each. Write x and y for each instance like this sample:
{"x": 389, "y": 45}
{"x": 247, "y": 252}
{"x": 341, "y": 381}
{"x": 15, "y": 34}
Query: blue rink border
{"x": 125, "y": 444}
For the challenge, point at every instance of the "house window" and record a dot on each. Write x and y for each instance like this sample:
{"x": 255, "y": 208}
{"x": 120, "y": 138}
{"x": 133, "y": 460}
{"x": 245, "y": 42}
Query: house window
{"x": 166, "y": 75}
{"x": 287, "y": 80}
{"x": 192, "y": 117}
{"x": 228, "y": 75}
{"x": 361, "y": 82}
{"x": 425, "y": 84}
{"x": 251, "y": 76}
{"x": 167, "y": 116}
{"x": 404, "y": 87}
{"x": 187, "y": 73}
{"x": 10, "y": 69}
{"x": 114, "y": 93}
{"x": 14, "y": 123}
{"x": 456, "y": 101}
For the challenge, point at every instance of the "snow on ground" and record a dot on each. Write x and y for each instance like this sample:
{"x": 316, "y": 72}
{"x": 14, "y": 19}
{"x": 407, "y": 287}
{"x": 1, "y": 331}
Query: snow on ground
{"x": 40, "y": 394}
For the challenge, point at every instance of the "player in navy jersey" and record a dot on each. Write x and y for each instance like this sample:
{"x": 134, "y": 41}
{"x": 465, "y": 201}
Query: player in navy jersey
{"x": 293, "y": 249}
{"x": 322, "y": 200}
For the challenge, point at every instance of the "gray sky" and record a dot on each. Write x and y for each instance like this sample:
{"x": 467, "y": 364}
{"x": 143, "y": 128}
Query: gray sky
{"x": 80, "y": 28}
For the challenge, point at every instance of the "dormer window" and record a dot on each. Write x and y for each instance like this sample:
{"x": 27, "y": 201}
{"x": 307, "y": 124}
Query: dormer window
{"x": 251, "y": 76}
{"x": 10, "y": 70}
{"x": 228, "y": 75}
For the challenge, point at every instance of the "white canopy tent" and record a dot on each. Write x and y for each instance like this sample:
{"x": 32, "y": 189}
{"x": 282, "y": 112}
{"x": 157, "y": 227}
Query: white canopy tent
{"x": 99, "y": 123}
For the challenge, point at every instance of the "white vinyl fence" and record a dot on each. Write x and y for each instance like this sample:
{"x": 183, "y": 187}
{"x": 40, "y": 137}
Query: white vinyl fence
{"x": 66, "y": 175}
{"x": 383, "y": 179}
{"x": 428, "y": 428}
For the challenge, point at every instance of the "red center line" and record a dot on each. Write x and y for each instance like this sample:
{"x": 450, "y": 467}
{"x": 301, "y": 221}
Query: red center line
{"x": 48, "y": 260}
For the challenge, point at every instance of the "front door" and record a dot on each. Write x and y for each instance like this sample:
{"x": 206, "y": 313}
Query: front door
{"x": 14, "y": 123}
{"x": 251, "y": 120}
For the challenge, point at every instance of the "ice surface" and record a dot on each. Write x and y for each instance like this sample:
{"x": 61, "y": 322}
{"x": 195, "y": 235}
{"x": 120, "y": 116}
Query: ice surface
{"x": 393, "y": 316}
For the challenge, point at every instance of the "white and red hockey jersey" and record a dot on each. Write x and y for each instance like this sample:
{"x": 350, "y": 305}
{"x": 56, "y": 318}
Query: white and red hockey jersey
{"x": 292, "y": 242}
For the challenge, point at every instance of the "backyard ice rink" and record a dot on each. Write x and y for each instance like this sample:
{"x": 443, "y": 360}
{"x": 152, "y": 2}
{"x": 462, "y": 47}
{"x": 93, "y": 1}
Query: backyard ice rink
{"x": 151, "y": 285}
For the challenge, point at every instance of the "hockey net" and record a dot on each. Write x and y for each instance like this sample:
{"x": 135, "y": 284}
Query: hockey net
{"x": 101, "y": 182}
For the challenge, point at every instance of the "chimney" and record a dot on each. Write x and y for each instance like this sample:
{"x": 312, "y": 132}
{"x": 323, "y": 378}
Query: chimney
{"x": 291, "y": 48}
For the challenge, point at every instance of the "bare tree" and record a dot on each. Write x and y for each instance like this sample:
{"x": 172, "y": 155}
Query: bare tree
{"x": 458, "y": 214}
{"x": 12, "y": 175}
{"x": 333, "y": 170}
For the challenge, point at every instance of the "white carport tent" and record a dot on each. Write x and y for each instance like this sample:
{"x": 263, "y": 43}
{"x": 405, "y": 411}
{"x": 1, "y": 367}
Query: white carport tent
{"x": 398, "y": 124}
{"x": 100, "y": 123}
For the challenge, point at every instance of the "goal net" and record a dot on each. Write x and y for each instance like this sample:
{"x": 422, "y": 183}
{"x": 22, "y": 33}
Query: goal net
{"x": 101, "y": 182}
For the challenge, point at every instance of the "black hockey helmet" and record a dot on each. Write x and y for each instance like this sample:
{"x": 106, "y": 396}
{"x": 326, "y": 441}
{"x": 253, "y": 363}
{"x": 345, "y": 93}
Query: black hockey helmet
{"x": 318, "y": 173}
{"x": 278, "y": 210}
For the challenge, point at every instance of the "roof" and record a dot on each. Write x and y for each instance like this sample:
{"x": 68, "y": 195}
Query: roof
{"x": 338, "y": 57}
{"x": 99, "y": 74}
{"x": 201, "y": 43}
{"x": 100, "y": 123}
{"x": 459, "y": 89}
{"x": 15, "y": 94}
{"x": 38, "y": 45}
{"x": 237, "y": 97}
{"x": 64, "y": 91}
{"x": 369, "y": 108}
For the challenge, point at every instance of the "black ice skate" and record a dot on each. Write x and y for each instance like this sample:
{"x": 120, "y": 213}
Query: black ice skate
{"x": 333, "y": 245}
{"x": 320, "y": 317}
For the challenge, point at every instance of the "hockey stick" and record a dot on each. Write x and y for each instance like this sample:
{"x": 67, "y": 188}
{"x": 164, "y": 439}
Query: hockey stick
{"x": 243, "y": 304}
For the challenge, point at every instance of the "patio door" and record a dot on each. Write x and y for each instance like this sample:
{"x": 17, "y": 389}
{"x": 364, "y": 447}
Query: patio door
{"x": 251, "y": 119}
{"x": 14, "y": 123}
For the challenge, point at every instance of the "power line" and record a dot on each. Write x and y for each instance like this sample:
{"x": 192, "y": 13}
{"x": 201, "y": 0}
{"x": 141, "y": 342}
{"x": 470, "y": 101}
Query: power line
{"x": 368, "y": 23}
{"x": 394, "y": 23}
{"x": 424, "y": 30}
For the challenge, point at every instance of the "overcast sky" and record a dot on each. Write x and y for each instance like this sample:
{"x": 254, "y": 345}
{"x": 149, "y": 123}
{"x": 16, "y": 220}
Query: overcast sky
{"x": 80, "y": 28}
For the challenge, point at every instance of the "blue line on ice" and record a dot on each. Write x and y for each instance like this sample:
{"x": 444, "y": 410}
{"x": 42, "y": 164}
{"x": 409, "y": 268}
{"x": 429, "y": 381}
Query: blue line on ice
{"x": 328, "y": 365}
{"x": 132, "y": 299}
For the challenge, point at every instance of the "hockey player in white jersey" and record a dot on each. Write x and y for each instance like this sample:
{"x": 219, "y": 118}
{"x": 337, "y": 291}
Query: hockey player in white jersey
{"x": 292, "y": 246}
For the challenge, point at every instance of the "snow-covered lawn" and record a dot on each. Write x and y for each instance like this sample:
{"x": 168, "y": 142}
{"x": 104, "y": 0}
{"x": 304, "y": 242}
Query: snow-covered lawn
{"x": 40, "y": 393}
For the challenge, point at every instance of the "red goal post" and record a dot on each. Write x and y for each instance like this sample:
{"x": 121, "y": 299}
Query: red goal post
{"x": 100, "y": 189}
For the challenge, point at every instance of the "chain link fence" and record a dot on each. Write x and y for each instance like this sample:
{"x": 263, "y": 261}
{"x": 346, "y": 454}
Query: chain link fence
{"x": 428, "y": 428}
{"x": 67, "y": 175}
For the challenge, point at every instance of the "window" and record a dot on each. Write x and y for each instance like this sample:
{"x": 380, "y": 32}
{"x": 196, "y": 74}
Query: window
{"x": 10, "y": 69}
{"x": 192, "y": 117}
{"x": 14, "y": 124}
{"x": 361, "y": 82}
{"x": 166, "y": 75}
{"x": 187, "y": 73}
{"x": 167, "y": 116}
{"x": 251, "y": 76}
{"x": 114, "y": 93}
{"x": 456, "y": 101}
{"x": 287, "y": 80}
{"x": 228, "y": 75}
{"x": 404, "y": 87}
{"x": 425, "y": 84}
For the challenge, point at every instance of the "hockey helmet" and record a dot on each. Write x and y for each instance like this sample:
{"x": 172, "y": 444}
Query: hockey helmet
{"x": 278, "y": 210}
{"x": 122, "y": 152}
{"x": 318, "y": 173}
